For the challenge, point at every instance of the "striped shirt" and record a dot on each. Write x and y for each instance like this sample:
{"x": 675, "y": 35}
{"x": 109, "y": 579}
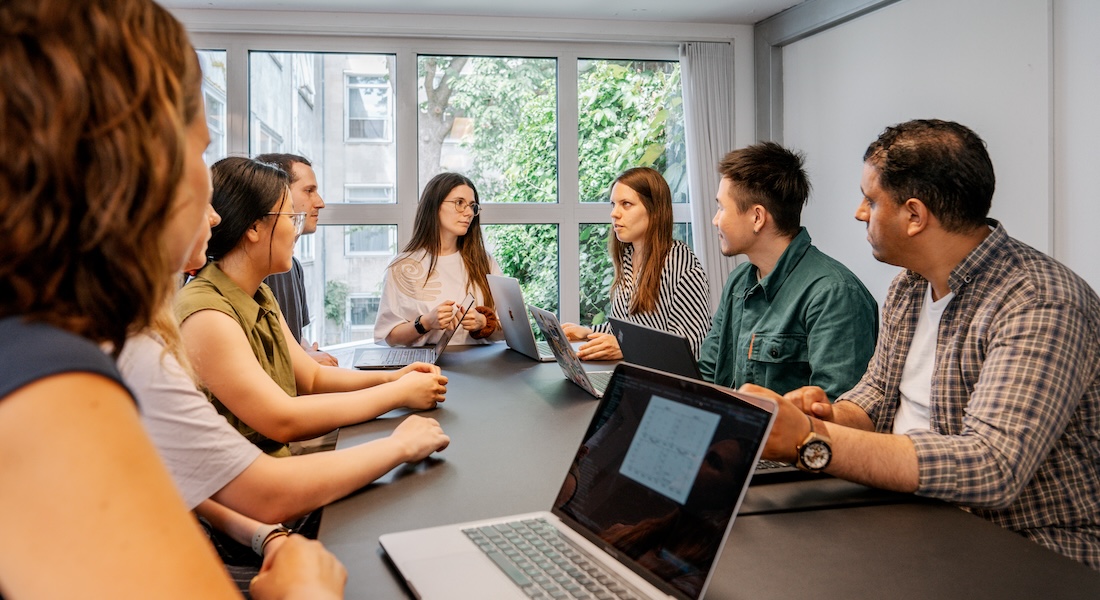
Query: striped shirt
{"x": 682, "y": 305}
{"x": 1015, "y": 403}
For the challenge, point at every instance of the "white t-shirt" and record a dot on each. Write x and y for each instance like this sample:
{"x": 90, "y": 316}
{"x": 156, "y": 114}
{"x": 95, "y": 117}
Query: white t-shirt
{"x": 405, "y": 295}
{"x": 916, "y": 377}
{"x": 200, "y": 448}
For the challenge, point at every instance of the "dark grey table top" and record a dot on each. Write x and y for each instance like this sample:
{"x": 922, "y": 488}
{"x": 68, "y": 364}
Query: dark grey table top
{"x": 514, "y": 425}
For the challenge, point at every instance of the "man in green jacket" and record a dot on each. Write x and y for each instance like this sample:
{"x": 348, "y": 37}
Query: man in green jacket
{"x": 791, "y": 316}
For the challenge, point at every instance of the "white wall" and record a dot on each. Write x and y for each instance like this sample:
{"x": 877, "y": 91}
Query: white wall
{"x": 983, "y": 63}
{"x": 1077, "y": 136}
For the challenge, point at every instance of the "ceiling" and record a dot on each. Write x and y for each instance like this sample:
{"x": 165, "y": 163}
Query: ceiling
{"x": 744, "y": 12}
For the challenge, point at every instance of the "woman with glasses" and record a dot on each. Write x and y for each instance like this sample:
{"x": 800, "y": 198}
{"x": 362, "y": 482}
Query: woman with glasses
{"x": 446, "y": 259}
{"x": 658, "y": 281}
{"x": 236, "y": 339}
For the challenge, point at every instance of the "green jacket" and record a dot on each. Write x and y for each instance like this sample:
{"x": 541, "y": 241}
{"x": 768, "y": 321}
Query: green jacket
{"x": 809, "y": 322}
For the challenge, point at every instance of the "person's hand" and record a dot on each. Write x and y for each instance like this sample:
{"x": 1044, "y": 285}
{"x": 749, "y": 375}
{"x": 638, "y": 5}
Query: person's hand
{"x": 789, "y": 430}
{"x": 575, "y": 332}
{"x": 441, "y": 317}
{"x": 812, "y": 400}
{"x": 323, "y": 358}
{"x": 299, "y": 568}
{"x": 421, "y": 391}
{"x": 416, "y": 367}
{"x": 600, "y": 346}
{"x": 420, "y": 437}
{"x": 474, "y": 321}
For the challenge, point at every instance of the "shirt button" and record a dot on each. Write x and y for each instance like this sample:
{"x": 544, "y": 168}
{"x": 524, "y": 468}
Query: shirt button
{"x": 774, "y": 353}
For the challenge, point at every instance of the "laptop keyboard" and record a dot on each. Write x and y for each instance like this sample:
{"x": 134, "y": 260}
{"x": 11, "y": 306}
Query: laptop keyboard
{"x": 600, "y": 379}
{"x": 543, "y": 348}
{"x": 546, "y": 564}
{"x": 404, "y": 356}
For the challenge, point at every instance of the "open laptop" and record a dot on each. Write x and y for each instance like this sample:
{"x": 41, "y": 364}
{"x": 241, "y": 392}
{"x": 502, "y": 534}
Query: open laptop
{"x": 671, "y": 353}
{"x": 512, "y": 312}
{"x": 593, "y": 382}
{"x": 396, "y": 358}
{"x": 655, "y": 348}
{"x": 643, "y": 512}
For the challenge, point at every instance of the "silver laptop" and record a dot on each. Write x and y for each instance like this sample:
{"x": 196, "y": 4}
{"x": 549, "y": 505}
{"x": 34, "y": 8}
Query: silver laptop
{"x": 643, "y": 512}
{"x": 512, "y": 312}
{"x": 396, "y": 358}
{"x": 655, "y": 348}
{"x": 593, "y": 382}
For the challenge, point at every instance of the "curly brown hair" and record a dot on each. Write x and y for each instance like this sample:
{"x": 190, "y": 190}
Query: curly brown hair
{"x": 96, "y": 99}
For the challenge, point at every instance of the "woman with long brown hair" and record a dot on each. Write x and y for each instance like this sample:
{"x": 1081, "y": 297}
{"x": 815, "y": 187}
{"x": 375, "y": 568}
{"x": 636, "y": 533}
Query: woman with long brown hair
{"x": 445, "y": 259}
{"x": 103, "y": 191}
{"x": 658, "y": 280}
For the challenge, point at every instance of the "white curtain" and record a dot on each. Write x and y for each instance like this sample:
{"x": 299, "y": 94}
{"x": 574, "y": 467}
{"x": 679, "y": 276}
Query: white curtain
{"x": 707, "y": 69}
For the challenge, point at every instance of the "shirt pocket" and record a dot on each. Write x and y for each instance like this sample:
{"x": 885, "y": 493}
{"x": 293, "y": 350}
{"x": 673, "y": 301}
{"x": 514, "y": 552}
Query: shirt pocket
{"x": 779, "y": 361}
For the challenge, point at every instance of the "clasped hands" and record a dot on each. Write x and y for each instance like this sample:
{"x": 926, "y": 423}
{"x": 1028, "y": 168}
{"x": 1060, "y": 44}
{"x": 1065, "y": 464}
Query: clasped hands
{"x": 791, "y": 426}
{"x": 447, "y": 314}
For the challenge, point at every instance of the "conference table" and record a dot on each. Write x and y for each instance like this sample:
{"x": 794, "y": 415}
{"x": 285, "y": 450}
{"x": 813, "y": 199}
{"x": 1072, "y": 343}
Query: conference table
{"x": 515, "y": 425}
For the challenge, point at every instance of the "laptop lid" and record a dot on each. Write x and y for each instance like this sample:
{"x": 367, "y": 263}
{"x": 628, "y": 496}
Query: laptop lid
{"x": 464, "y": 307}
{"x": 563, "y": 352}
{"x": 512, "y": 313}
{"x": 655, "y": 348}
{"x": 660, "y": 474}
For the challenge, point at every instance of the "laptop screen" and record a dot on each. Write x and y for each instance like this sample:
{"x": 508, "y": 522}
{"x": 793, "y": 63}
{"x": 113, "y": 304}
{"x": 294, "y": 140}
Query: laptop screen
{"x": 660, "y": 473}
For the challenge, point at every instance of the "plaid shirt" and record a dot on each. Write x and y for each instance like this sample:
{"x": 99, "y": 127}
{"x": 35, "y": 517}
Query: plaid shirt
{"x": 1015, "y": 402}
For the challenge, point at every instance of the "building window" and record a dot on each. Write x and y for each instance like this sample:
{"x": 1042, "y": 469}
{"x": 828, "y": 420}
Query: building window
{"x": 266, "y": 139}
{"x": 362, "y": 311}
{"x": 369, "y": 109}
{"x": 370, "y": 240}
{"x": 368, "y": 193}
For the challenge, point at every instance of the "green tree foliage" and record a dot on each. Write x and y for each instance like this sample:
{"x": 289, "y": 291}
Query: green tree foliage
{"x": 630, "y": 114}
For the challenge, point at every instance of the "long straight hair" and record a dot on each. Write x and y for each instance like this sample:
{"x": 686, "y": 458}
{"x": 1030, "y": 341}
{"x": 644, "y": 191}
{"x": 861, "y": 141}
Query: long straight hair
{"x": 471, "y": 246}
{"x": 657, "y": 200}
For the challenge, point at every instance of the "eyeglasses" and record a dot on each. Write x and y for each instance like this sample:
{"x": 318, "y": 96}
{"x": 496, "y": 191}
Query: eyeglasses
{"x": 462, "y": 205}
{"x": 298, "y": 219}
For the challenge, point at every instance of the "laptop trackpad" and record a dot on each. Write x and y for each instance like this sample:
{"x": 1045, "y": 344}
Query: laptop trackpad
{"x": 462, "y": 575}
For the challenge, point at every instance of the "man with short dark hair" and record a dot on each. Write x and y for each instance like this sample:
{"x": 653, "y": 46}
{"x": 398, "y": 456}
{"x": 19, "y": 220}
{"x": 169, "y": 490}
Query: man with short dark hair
{"x": 791, "y": 316}
{"x": 289, "y": 288}
{"x": 984, "y": 389}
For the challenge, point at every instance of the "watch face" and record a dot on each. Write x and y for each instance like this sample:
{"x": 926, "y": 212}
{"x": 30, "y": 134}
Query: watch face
{"x": 816, "y": 455}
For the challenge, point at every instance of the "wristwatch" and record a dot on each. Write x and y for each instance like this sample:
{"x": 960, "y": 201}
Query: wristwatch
{"x": 815, "y": 452}
{"x": 263, "y": 535}
{"x": 419, "y": 326}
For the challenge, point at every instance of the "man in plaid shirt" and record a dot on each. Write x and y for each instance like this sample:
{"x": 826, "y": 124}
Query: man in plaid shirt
{"x": 984, "y": 389}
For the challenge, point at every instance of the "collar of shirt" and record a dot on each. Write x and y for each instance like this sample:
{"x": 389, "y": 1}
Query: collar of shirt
{"x": 251, "y": 308}
{"x": 783, "y": 267}
{"x": 974, "y": 264}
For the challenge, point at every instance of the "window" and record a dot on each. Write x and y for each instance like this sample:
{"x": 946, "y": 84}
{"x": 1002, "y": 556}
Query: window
{"x": 523, "y": 120}
{"x": 266, "y": 139}
{"x": 370, "y": 239}
{"x": 370, "y": 117}
{"x": 362, "y": 311}
{"x": 213, "y": 91}
{"x": 368, "y": 193}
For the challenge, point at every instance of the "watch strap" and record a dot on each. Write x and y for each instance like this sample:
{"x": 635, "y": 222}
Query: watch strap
{"x": 419, "y": 326}
{"x": 263, "y": 533}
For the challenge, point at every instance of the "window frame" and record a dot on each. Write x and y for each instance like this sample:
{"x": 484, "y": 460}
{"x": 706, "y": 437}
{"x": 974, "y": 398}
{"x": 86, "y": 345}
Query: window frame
{"x": 387, "y": 135}
{"x": 568, "y": 213}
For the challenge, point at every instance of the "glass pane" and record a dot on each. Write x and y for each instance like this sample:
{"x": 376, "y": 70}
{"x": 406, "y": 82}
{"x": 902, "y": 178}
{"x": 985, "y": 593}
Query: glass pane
{"x": 530, "y": 254}
{"x": 682, "y": 232}
{"x": 630, "y": 114}
{"x": 325, "y": 108}
{"x": 596, "y": 276}
{"x": 213, "y": 91}
{"x": 340, "y": 284}
{"x": 493, "y": 119}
